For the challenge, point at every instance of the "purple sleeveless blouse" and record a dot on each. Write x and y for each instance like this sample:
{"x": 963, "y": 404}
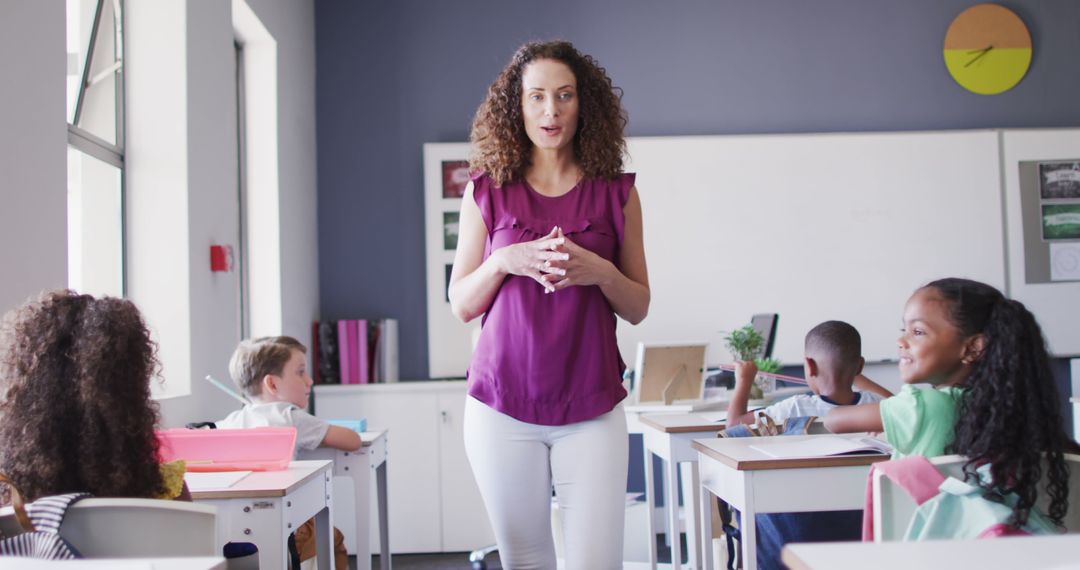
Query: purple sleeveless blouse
{"x": 550, "y": 359}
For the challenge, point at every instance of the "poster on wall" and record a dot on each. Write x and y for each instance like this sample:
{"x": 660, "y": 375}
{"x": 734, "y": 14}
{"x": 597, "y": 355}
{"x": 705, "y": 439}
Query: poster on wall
{"x": 446, "y": 174}
{"x": 1061, "y": 221}
{"x": 1059, "y": 180}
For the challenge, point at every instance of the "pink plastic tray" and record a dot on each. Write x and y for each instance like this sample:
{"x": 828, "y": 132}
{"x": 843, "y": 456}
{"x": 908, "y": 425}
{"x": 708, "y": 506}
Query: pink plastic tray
{"x": 253, "y": 449}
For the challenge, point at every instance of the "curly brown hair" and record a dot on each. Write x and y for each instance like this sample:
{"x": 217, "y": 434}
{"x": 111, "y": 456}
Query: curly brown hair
{"x": 76, "y": 413}
{"x": 500, "y": 145}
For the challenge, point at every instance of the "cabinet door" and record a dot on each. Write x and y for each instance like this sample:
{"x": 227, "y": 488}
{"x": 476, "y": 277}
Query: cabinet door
{"x": 412, "y": 421}
{"x": 464, "y": 521}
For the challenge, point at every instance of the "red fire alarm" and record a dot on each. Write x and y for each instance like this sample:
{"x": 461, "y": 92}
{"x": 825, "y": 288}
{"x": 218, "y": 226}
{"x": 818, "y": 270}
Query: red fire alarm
{"x": 221, "y": 258}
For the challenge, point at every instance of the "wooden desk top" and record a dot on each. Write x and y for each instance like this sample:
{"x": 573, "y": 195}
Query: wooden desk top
{"x": 694, "y": 422}
{"x": 736, "y": 452}
{"x": 1048, "y": 552}
{"x": 268, "y": 484}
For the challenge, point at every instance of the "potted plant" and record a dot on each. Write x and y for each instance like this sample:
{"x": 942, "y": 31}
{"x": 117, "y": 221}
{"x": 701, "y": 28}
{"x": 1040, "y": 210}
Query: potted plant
{"x": 747, "y": 344}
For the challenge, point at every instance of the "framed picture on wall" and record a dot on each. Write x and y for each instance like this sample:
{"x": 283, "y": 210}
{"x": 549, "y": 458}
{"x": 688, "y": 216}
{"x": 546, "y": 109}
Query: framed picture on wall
{"x": 450, "y": 230}
{"x": 446, "y": 173}
{"x": 1059, "y": 180}
{"x": 455, "y": 176}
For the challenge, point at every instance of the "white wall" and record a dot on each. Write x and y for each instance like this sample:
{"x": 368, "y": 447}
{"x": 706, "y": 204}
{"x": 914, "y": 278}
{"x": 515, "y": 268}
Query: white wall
{"x": 212, "y": 174}
{"x": 292, "y": 24}
{"x": 33, "y": 150}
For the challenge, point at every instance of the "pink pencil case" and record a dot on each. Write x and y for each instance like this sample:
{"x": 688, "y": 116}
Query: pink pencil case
{"x": 252, "y": 449}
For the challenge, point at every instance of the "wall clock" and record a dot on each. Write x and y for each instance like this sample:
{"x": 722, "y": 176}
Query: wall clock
{"x": 987, "y": 49}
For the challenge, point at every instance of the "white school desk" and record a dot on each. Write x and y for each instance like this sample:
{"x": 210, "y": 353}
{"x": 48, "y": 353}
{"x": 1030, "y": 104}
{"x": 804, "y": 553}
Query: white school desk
{"x": 1028, "y": 552}
{"x": 668, "y": 436}
{"x": 1076, "y": 417}
{"x": 266, "y": 506}
{"x": 179, "y": 563}
{"x": 755, "y": 483}
{"x": 359, "y": 466}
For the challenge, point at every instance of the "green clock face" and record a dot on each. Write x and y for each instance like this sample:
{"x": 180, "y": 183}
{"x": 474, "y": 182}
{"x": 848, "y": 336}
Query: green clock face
{"x": 987, "y": 49}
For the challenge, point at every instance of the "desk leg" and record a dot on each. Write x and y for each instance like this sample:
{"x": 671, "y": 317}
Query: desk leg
{"x": 650, "y": 503}
{"x": 671, "y": 481}
{"x": 691, "y": 487}
{"x": 384, "y": 518}
{"x": 324, "y": 539}
{"x": 704, "y": 512}
{"x": 362, "y": 512}
{"x": 748, "y": 526}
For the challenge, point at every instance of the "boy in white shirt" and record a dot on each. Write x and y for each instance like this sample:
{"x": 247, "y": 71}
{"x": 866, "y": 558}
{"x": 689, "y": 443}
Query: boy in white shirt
{"x": 832, "y": 362}
{"x": 272, "y": 373}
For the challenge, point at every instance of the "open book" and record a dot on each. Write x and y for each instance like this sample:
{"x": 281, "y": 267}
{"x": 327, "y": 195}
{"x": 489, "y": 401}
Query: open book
{"x": 824, "y": 445}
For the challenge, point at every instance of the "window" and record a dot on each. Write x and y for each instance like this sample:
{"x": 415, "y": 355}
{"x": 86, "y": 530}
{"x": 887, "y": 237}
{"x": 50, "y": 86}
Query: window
{"x": 95, "y": 116}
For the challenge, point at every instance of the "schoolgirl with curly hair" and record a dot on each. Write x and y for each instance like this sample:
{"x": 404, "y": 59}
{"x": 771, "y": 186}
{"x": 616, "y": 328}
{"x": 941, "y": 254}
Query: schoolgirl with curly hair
{"x": 994, "y": 400}
{"x": 550, "y": 252}
{"x": 76, "y": 413}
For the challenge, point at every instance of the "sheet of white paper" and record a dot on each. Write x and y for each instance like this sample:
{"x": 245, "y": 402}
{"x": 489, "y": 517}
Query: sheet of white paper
{"x": 213, "y": 480}
{"x": 1065, "y": 261}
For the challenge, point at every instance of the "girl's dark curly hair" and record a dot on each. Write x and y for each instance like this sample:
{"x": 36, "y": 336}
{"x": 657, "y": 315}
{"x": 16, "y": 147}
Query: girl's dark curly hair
{"x": 1009, "y": 414}
{"x": 76, "y": 413}
{"x": 500, "y": 145}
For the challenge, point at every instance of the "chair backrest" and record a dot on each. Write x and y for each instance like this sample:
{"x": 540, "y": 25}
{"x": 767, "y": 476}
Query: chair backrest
{"x": 894, "y": 508}
{"x": 134, "y": 528}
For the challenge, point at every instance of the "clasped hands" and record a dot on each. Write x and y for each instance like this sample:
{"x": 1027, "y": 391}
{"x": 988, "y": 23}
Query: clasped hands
{"x": 555, "y": 262}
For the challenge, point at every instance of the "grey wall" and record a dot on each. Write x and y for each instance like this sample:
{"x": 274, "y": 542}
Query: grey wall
{"x": 394, "y": 75}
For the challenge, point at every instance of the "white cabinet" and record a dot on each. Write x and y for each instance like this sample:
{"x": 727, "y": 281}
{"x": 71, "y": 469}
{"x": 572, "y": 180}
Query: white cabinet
{"x": 434, "y": 503}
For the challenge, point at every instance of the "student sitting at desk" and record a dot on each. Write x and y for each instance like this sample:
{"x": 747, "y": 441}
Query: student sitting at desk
{"x": 77, "y": 414}
{"x": 272, "y": 373}
{"x": 833, "y": 365}
{"x": 993, "y": 397}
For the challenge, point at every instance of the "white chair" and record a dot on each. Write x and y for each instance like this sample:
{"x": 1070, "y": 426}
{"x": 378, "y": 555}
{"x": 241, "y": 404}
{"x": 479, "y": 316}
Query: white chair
{"x": 134, "y": 528}
{"x": 894, "y": 508}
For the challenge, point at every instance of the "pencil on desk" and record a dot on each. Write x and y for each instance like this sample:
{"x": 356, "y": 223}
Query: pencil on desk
{"x": 784, "y": 377}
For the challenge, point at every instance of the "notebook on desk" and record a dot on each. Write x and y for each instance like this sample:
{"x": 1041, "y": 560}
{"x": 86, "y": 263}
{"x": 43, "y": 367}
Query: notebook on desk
{"x": 823, "y": 446}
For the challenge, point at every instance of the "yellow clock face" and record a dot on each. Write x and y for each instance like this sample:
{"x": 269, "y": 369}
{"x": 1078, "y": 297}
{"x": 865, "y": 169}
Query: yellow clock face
{"x": 987, "y": 49}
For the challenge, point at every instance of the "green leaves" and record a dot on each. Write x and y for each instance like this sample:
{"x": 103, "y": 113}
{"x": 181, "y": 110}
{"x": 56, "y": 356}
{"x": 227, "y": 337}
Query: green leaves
{"x": 767, "y": 364}
{"x": 745, "y": 343}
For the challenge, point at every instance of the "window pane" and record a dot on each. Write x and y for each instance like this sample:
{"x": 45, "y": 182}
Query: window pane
{"x": 98, "y": 114}
{"x": 95, "y": 226}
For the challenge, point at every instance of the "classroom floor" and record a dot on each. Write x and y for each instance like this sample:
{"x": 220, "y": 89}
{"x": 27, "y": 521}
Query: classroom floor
{"x": 440, "y": 561}
{"x": 460, "y": 560}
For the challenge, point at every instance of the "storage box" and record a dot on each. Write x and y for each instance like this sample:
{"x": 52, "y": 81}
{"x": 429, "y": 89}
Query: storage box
{"x": 359, "y": 426}
{"x": 252, "y": 449}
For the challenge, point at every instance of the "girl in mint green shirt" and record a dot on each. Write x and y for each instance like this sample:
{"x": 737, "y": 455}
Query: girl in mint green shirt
{"x": 993, "y": 397}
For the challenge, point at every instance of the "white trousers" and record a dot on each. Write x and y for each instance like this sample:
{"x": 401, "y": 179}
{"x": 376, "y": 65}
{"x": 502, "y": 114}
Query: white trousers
{"x": 517, "y": 463}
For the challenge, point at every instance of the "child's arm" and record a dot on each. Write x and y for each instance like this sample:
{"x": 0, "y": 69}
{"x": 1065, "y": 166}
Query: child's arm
{"x": 864, "y": 384}
{"x": 744, "y": 378}
{"x": 341, "y": 438}
{"x": 849, "y": 419}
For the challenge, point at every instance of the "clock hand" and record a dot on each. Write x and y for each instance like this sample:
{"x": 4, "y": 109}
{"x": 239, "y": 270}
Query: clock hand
{"x": 981, "y": 52}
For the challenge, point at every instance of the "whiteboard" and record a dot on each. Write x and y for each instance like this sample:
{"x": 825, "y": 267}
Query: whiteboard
{"x": 813, "y": 227}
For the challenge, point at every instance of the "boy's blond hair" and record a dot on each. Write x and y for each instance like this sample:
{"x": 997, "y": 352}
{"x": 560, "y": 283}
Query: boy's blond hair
{"x": 253, "y": 359}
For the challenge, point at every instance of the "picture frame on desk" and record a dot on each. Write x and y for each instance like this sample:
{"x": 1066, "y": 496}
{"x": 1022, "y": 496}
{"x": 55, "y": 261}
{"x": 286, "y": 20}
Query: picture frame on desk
{"x": 666, "y": 373}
